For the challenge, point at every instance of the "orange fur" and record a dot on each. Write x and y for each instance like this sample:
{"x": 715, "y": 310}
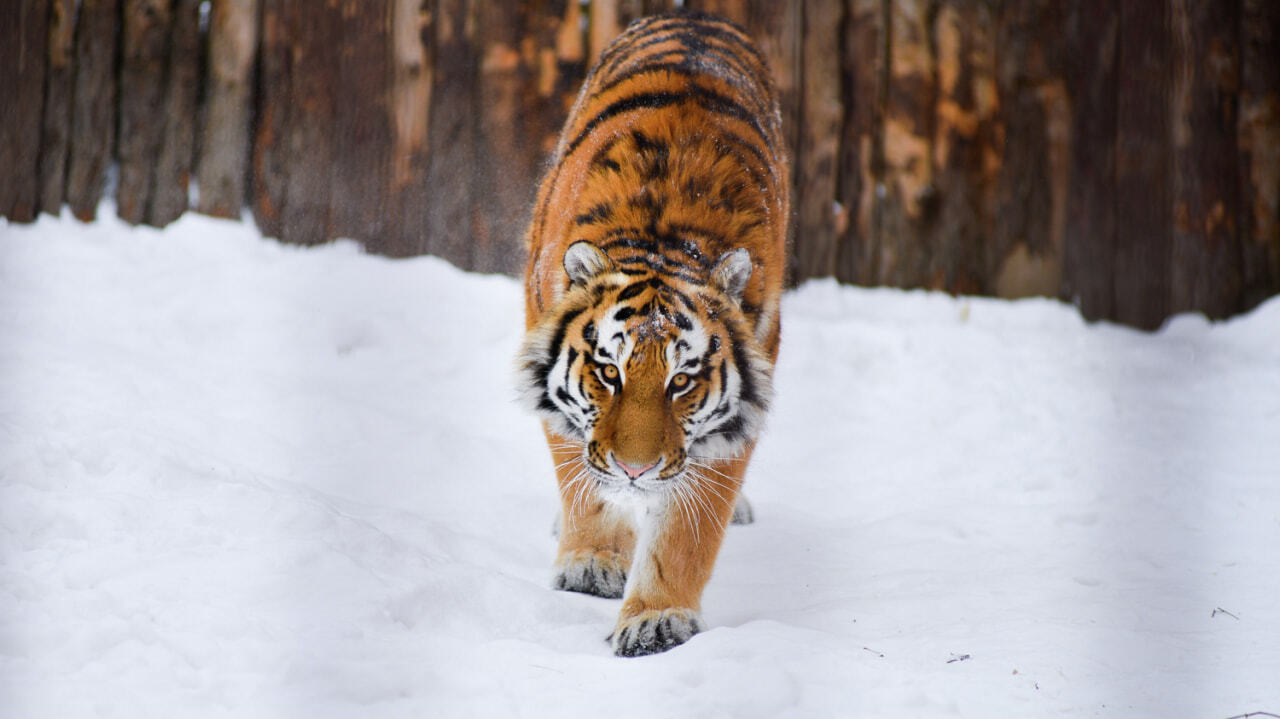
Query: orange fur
{"x": 671, "y": 160}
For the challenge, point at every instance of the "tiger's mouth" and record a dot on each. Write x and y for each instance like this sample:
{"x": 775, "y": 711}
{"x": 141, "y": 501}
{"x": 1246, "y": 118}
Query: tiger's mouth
{"x": 649, "y": 478}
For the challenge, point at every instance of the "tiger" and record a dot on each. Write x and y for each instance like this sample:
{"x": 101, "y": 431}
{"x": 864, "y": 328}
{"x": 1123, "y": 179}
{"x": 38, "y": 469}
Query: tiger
{"x": 656, "y": 262}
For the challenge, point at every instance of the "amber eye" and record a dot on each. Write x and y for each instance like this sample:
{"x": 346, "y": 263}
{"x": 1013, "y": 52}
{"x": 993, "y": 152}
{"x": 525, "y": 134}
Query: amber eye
{"x": 681, "y": 381}
{"x": 610, "y": 372}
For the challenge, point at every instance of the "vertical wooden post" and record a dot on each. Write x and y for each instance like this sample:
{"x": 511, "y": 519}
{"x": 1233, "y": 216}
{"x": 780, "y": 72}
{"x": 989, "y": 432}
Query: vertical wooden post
{"x": 507, "y": 147}
{"x": 1089, "y": 256}
{"x": 412, "y": 82}
{"x": 93, "y": 111}
{"x": 310, "y": 28}
{"x": 362, "y": 123}
{"x": 603, "y": 25}
{"x": 861, "y": 148}
{"x": 963, "y": 49}
{"x": 1143, "y": 152}
{"x": 818, "y": 155}
{"x": 909, "y": 205}
{"x": 452, "y": 132}
{"x": 147, "y": 29}
{"x": 223, "y": 170}
{"x": 270, "y": 159}
{"x": 55, "y": 136}
{"x": 172, "y": 175}
{"x": 1259, "y": 150}
{"x": 1024, "y": 253}
{"x": 23, "y": 58}
{"x": 1205, "y": 74}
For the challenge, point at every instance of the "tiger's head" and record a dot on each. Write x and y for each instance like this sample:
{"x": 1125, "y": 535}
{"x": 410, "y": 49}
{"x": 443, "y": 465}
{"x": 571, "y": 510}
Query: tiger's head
{"x": 647, "y": 372}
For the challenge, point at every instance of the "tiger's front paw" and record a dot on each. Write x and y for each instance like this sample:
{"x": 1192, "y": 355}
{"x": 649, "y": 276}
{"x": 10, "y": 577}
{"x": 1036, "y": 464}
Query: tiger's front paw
{"x": 601, "y": 573}
{"x": 655, "y": 630}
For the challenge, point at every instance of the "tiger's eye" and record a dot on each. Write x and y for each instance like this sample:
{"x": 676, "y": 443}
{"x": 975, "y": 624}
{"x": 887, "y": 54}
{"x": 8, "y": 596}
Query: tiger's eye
{"x": 610, "y": 372}
{"x": 679, "y": 381}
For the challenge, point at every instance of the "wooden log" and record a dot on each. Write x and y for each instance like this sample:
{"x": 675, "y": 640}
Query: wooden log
{"x": 1025, "y": 251}
{"x": 909, "y": 205}
{"x": 452, "y": 134}
{"x": 362, "y": 125}
{"x": 172, "y": 176}
{"x": 1259, "y": 150}
{"x": 313, "y": 31}
{"x": 962, "y": 147}
{"x": 23, "y": 59}
{"x": 93, "y": 111}
{"x": 145, "y": 50}
{"x": 818, "y": 155}
{"x": 271, "y": 135}
{"x": 1205, "y": 78}
{"x": 508, "y": 156}
{"x": 412, "y": 71}
{"x": 863, "y": 70}
{"x": 604, "y": 23}
{"x": 1089, "y": 253}
{"x": 56, "y": 125}
{"x": 1143, "y": 150}
{"x": 224, "y": 142}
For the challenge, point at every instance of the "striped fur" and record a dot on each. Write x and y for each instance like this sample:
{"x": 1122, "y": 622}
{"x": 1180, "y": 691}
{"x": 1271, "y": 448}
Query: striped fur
{"x": 656, "y": 262}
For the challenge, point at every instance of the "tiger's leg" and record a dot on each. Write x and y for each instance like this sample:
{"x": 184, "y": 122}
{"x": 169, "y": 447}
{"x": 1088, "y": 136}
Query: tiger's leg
{"x": 596, "y": 541}
{"x": 674, "y": 558}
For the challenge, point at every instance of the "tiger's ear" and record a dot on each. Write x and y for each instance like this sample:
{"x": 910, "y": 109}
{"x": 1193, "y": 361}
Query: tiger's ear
{"x": 583, "y": 261}
{"x": 731, "y": 273}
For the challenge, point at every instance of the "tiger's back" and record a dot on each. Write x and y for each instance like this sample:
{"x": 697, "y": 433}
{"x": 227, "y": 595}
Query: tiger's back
{"x": 657, "y": 253}
{"x": 672, "y": 155}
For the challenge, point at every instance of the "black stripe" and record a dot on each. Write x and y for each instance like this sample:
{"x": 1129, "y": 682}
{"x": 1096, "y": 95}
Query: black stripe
{"x": 557, "y": 339}
{"x": 661, "y": 268}
{"x": 595, "y": 215}
{"x": 632, "y": 290}
{"x": 705, "y": 98}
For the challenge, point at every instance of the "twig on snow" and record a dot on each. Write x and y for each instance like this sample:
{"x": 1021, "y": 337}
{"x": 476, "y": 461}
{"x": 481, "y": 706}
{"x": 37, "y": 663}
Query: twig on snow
{"x": 878, "y": 654}
{"x": 1218, "y": 611}
{"x": 1250, "y": 715}
{"x": 958, "y": 658}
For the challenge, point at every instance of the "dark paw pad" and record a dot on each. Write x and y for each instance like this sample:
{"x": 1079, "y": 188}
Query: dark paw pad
{"x": 599, "y": 573}
{"x": 655, "y": 631}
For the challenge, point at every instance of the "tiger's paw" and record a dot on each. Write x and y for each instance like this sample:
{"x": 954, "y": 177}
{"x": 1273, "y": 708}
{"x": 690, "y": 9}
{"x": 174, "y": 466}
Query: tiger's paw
{"x": 654, "y": 630}
{"x": 742, "y": 513}
{"x": 601, "y": 573}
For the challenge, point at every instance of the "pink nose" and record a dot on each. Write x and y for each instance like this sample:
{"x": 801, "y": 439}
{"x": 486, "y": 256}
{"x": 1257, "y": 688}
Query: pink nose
{"x": 634, "y": 472}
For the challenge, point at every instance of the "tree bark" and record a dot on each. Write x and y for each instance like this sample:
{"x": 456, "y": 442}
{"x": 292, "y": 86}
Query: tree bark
{"x": 1259, "y": 150}
{"x": 817, "y": 166}
{"x": 55, "y": 136}
{"x": 93, "y": 112}
{"x": 1089, "y": 262}
{"x": 1205, "y": 262}
{"x": 1143, "y": 167}
{"x": 224, "y": 143}
{"x": 172, "y": 176}
{"x": 147, "y": 30}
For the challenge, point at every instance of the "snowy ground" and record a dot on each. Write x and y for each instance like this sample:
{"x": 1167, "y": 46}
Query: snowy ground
{"x": 241, "y": 479}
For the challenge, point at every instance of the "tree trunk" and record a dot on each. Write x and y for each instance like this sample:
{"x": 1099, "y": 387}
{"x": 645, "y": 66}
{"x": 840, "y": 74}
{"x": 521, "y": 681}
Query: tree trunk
{"x": 224, "y": 145}
{"x": 147, "y": 29}
{"x": 172, "y": 177}
{"x": 93, "y": 112}
{"x": 55, "y": 136}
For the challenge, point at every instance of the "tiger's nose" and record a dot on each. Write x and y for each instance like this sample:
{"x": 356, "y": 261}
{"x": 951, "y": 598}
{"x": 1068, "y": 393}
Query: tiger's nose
{"x": 634, "y": 472}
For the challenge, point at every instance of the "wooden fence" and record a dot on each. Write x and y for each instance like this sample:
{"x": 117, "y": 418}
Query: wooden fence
{"x": 1121, "y": 155}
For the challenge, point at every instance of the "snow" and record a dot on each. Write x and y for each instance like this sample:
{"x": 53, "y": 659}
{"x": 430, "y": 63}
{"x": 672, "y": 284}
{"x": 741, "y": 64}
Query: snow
{"x": 248, "y": 480}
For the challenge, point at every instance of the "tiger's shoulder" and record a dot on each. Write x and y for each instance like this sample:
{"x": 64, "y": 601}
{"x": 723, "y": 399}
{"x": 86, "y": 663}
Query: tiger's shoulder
{"x": 672, "y": 156}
